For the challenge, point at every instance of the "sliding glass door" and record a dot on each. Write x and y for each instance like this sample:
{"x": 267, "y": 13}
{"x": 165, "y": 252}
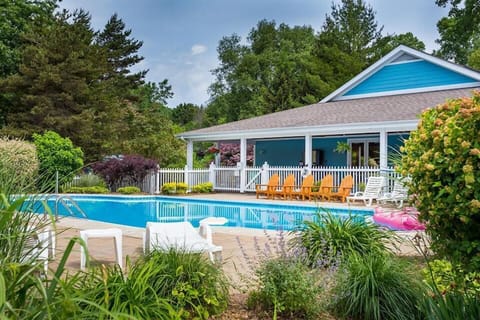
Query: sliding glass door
{"x": 363, "y": 152}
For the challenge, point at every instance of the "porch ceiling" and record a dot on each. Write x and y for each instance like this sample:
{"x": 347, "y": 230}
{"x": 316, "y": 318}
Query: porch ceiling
{"x": 368, "y": 115}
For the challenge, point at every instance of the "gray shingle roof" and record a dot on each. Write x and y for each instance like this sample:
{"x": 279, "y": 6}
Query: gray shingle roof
{"x": 367, "y": 110}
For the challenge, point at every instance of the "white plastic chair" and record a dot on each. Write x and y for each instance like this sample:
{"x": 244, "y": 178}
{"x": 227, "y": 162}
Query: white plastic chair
{"x": 398, "y": 195}
{"x": 372, "y": 191}
{"x": 114, "y": 233}
{"x": 183, "y": 236}
{"x": 41, "y": 245}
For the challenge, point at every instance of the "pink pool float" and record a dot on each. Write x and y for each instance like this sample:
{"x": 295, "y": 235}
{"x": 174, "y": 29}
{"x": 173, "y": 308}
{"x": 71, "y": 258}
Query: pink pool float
{"x": 403, "y": 220}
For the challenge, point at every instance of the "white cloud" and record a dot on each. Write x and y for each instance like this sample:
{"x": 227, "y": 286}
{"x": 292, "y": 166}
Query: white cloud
{"x": 198, "y": 49}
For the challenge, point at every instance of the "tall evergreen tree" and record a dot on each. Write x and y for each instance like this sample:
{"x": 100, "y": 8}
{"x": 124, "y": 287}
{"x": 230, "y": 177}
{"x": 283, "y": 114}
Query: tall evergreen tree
{"x": 347, "y": 42}
{"x": 122, "y": 55}
{"x": 16, "y": 18}
{"x": 57, "y": 87}
{"x": 351, "y": 40}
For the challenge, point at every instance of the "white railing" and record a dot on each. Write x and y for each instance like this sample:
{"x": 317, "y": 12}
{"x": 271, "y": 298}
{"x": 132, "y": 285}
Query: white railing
{"x": 229, "y": 178}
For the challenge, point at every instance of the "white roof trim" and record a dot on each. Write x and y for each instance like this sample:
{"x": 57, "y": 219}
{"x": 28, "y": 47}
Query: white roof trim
{"x": 403, "y": 62}
{"x": 392, "y": 55}
{"x": 406, "y": 91}
{"x": 334, "y": 129}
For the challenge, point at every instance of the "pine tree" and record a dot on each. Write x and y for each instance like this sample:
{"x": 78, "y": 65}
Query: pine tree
{"x": 58, "y": 85}
{"x": 122, "y": 54}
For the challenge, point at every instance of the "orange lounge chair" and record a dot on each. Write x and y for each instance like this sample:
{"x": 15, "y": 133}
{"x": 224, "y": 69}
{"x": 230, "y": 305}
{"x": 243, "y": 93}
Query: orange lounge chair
{"x": 288, "y": 185}
{"x": 268, "y": 189}
{"x": 343, "y": 190}
{"x": 325, "y": 188}
{"x": 304, "y": 190}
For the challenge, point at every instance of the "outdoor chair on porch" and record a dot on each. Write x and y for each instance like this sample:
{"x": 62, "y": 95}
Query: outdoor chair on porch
{"x": 398, "y": 195}
{"x": 286, "y": 189}
{"x": 373, "y": 189}
{"x": 268, "y": 189}
{"x": 344, "y": 190}
{"x": 303, "y": 190}
{"x": 324, "y": 190}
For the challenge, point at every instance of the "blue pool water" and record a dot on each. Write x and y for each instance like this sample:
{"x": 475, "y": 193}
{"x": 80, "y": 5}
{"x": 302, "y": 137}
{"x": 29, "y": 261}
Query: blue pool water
{"x": 138, "y": 210}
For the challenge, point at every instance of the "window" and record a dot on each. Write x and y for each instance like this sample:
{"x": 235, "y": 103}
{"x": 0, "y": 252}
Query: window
{"x": 317, "y": 158}
{"x": 363, "y": 152}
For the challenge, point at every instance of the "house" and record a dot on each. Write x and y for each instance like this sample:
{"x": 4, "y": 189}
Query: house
{"x": 367, "y": 117}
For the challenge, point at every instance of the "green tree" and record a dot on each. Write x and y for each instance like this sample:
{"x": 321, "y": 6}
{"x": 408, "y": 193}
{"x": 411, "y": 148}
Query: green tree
{"x": 390, "y": 42}
{"x": 57, "y": 154}
{"x": 188, "y": 115}
{"x": 348, "y": 41}
{"x": 18, "y": 17}
{"x": 57, "y": 86}
{"x": 276, "y": 71}
{"x": 459, "y": 31}
{"x": 122, "y": 54}
{"x": 442, "y": 157}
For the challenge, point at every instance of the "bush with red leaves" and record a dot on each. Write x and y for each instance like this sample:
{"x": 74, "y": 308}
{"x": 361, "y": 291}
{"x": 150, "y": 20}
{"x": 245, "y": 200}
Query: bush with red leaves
{"x": 131, "y": 169}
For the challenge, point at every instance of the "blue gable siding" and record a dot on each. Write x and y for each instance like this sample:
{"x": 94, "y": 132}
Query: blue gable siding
{"x": 411, "y": 75}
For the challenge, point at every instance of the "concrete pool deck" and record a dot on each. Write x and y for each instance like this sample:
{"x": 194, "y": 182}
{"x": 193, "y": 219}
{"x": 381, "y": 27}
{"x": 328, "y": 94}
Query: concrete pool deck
{"x": 236, "y": 242}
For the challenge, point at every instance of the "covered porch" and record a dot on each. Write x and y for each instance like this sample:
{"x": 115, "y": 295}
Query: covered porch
{"x": 299, "y": 151}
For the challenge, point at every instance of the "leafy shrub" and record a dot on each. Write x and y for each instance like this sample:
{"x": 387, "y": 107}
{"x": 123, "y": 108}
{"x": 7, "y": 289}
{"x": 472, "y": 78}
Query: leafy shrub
{"x": 174, "y": 188}
{"x": 57, "y": 154}
{"x": 330, "y": 235}
{"x": 376, "y": 286}
{"x": 95, "y": 189}
{"x": 181, "y": 187}
{"x": 206, "y": 187}
{"x": 18, "y": 164}
{"x": 442, "y": 158}
{"x": 169, "y": 188}
{"x": 129, "y": 168}
{"x": 129, "y": 190}
{"x": 287, "y": 287}
{"x": 443, "y": 276}
{"x": 195, "y": 287}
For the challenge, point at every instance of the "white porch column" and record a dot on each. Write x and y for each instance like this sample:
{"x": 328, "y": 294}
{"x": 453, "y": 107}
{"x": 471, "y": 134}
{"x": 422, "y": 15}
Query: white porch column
{"x": 383, "y": 149}
{"x": 308, "y": 151}
{"x": 190, "y": 154}
{"x": 243, "y": 164}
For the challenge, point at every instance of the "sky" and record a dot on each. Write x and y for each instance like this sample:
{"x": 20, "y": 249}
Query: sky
{"x": 180, "y": 37}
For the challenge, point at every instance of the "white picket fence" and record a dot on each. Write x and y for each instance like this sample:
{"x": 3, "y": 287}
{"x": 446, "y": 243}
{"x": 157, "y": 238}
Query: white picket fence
{"x": 229, "y": 178}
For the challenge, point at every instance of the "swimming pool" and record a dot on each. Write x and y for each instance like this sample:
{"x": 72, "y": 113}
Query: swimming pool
{"x": 136, "y": 211}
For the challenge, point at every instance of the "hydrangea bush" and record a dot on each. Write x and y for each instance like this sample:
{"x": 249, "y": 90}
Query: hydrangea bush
{"x": 443, "y": 158}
